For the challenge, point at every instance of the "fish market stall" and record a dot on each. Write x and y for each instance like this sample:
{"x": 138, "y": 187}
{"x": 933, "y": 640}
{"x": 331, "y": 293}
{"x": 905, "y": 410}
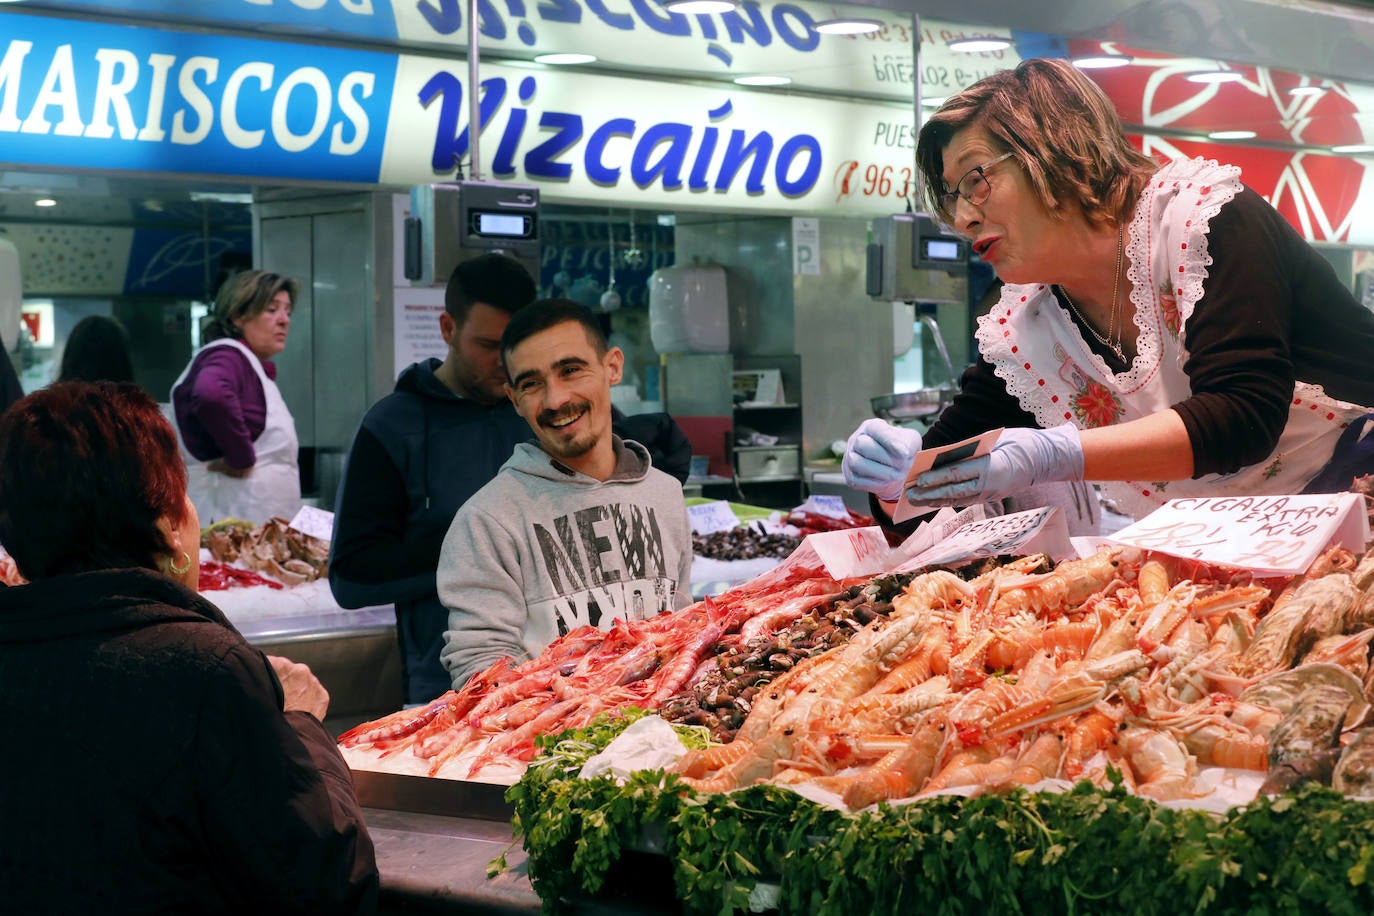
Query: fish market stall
{"x": 867, "y": 733}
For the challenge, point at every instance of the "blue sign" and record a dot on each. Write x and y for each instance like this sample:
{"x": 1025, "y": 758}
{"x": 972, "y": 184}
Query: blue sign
{"x": 372, "y": 18}
{"x": 92, "y": 95}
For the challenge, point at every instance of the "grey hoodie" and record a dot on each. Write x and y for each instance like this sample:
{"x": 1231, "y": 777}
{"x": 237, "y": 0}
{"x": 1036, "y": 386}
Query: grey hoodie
{"x": 543, "y": 549}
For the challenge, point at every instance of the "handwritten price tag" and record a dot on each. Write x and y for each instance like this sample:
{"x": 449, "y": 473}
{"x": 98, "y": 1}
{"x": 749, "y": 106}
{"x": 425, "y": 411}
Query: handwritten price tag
{"x": 1272, "y": 535}
{"x": 851, "y": 552}
{"x": 314, "y": 522}
{"x": 829, "y": 506}
{"x": 711, "y": 517}
{"x": 1021, "y": 533}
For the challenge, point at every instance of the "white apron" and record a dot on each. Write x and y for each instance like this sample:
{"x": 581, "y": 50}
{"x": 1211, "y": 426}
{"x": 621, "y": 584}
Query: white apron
{"x": 273, "y": 486}
{"x": 1049, "y": 368}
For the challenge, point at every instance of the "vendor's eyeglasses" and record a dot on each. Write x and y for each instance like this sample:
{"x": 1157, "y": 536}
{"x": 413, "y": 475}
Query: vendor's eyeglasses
{"x": 973, "y": 186}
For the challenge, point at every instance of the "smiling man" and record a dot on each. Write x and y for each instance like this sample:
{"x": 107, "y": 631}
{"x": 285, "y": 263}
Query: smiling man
{"x": 578, "y": 527}
{"x": 419, "y": 454}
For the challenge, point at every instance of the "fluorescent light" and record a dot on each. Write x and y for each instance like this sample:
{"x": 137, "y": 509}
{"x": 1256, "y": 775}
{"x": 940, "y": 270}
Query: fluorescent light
{"x": 848, "y": 26}
{"x": 45, "y": 202}
{"x": 1307, "y": 90}
{"x": 1353, "y": 148}
{"x": 1213, "y": 76}
{"x": 564, "y": 58}
{"x": 1232, "y": 135}
{"x": 934, "y": 101}
{"x": 221, "y": 197}
{"x": 983, "y": 43}
{"x": 763, "y": 80}
{"x": 699, "y": 6}
{"x": 1101, "y": 61}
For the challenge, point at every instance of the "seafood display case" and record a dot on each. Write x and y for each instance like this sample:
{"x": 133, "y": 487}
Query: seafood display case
{"x": 1005, "y": 720}
{"x": 271, "y": 581}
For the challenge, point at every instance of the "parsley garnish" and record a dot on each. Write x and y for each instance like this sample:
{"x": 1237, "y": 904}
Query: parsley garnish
{"x": 1083, "y": 851}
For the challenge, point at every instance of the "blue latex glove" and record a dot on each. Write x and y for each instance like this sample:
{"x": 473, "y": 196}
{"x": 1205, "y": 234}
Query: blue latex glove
{"x": 1021, "y": 459}
{"x": 878, "y": 456}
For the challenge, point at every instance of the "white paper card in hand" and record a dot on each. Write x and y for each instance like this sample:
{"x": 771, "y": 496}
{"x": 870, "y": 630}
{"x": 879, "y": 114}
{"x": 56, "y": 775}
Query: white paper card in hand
{"x": 928, "y": 458}
{"x": 708, "y": 518}
{"x": 1271, "y": 535}
{"x": 315, "y": 522}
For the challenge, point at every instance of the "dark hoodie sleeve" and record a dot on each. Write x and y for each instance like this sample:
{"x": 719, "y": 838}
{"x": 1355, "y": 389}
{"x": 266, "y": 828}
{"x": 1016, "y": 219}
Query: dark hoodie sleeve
{"x": 280, "y": 812}
{"x": 375, "y": 557}
{"x": 669, "y": 448}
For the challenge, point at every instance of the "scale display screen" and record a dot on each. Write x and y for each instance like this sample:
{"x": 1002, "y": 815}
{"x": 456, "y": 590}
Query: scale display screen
{"x": 504, "y": 225}
{"x": 941, "y": 250}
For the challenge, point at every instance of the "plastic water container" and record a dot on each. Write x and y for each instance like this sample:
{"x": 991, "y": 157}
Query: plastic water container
{"x": 688, "y": 310}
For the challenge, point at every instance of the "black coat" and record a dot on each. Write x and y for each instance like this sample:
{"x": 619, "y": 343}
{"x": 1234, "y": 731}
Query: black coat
{"x": 150, "y": 767}
{"x": 10, "y": 389}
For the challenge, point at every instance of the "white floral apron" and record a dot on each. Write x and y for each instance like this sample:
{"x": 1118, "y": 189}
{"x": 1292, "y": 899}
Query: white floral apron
{"x": 1035, "y": 347}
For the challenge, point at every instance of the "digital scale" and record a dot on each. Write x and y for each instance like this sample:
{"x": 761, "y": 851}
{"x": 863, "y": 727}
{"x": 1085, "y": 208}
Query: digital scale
{"x": 451, "y": 223}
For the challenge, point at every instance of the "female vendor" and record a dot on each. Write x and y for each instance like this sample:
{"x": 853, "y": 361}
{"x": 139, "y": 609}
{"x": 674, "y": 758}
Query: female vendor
{"x": 238, "y": 435}
{"x": 1161, "y": 329}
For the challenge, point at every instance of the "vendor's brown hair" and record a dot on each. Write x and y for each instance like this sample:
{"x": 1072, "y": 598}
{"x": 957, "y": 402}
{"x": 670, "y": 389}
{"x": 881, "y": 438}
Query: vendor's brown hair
{"x": 86, "y": 471}
{"x": 243, "y": 297}
{"x": 1063, "y": 130}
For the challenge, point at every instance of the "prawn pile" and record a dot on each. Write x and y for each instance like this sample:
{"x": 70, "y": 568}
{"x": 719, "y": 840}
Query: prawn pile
{"x": 491, "y": 723}
{"x": 1007, "y": 673}
{"x": 1122, "y": 662}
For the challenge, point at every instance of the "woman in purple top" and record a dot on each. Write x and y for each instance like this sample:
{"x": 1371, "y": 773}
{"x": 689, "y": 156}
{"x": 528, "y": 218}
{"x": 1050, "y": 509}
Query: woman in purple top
{"x": 237, "y": 436}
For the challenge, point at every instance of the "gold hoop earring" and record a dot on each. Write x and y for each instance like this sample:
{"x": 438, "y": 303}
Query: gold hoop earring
{"x": 180, "y": 570}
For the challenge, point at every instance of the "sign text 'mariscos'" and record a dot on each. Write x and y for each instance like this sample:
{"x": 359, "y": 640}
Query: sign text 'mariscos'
{"x": 136, "y": 104}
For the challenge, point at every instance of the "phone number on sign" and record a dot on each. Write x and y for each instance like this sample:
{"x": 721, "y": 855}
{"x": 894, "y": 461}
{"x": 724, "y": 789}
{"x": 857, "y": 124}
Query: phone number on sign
{"x": 873, "y": 180}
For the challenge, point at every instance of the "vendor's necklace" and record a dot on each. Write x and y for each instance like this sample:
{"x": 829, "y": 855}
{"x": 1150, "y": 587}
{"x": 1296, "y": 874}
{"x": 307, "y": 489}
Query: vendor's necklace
{"x": 1114, "y": 328}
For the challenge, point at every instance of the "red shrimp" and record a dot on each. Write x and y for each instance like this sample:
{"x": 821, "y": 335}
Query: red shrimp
{"x": 786, "y": 612}
{"x": 671, "y": 677}
{"x": 511, "y": 740}
{"x": 396, "y": 725}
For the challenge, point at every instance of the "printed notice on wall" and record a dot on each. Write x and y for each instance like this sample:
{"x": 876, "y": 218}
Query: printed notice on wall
{"x": 806, "y": 246}
{"x": 417, "y": 333}
{"x": 1271, "y": 535}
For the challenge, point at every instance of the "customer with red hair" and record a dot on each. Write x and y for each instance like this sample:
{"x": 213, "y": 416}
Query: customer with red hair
{"x": 165, "y": 764}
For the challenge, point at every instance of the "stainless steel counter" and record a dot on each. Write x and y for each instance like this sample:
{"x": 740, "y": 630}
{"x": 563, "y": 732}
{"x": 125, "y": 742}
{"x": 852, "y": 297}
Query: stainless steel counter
{"x": 430, "y": 863}
{"x": 433, "y": 863}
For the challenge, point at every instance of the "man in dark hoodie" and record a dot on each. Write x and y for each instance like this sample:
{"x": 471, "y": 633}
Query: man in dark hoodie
{"x": 419, "y": 454}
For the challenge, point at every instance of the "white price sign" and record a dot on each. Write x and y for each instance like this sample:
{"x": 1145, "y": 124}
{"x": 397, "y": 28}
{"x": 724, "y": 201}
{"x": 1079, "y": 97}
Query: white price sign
{"x": 314, "y": 522}
{"x": 708, "y": 518}
{"x": 1019, "y": 534}
{"x": 852, "y": 551}
{"x": 829, "y": 506}
{"x": 1271, "y": 535}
